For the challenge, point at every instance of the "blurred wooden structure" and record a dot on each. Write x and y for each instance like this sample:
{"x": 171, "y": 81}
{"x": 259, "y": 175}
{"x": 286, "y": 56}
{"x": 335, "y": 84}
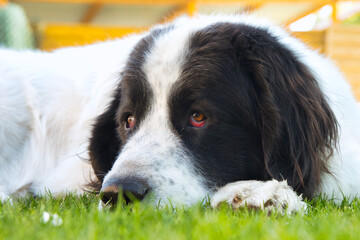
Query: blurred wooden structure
{"x": 342, "y": 44}
{"x": 315, "y": 39}
{"x": 56, "y": 36}
{"x": 83, "y": 31}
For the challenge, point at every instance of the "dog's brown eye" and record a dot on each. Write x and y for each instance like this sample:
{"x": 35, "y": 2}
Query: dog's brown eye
{"x": 130, "y": 123}
{"x": 197, "y": 120}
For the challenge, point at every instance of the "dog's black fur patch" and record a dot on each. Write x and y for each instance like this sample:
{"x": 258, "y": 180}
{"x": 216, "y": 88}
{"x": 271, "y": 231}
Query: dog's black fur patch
{"x": 267, "y": 117}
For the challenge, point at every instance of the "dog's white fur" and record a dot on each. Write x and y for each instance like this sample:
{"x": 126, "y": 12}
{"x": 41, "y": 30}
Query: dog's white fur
{"x": 49, "y": 101}
{"x": 48, "y": 104}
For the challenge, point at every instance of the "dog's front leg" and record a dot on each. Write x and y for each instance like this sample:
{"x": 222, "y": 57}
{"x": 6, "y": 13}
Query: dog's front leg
{"x": 268, "y": 195}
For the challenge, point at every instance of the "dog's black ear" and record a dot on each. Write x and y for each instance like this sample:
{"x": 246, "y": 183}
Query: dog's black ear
{"x": 297, "y": 126}
{"x": 105, "y": 143}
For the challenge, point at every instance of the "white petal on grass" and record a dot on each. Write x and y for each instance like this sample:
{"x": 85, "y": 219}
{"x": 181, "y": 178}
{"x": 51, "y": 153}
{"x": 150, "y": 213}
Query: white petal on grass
{"x": 45, "y": 217}
{"x": 56, "y": 220}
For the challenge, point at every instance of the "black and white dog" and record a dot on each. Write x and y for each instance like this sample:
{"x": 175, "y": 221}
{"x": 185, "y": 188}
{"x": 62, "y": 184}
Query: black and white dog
{"x": 229, "y": 107}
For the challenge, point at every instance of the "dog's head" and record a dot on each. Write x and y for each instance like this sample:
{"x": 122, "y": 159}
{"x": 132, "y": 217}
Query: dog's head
{"x": 202, "y": 105}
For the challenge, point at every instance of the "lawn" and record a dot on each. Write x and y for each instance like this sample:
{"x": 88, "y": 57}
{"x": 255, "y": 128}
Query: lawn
{"x": 78, "y": 218}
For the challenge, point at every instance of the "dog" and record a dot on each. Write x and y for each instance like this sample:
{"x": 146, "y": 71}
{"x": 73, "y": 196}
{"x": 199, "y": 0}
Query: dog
{"x": 230, "y": 107}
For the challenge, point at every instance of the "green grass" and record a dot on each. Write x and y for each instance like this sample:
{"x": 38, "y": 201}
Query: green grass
{"x": 82, "y": 220}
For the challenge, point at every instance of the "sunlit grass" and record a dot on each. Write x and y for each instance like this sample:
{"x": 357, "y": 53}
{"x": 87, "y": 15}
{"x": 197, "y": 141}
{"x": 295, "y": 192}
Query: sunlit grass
{"x": 80, "y": 219}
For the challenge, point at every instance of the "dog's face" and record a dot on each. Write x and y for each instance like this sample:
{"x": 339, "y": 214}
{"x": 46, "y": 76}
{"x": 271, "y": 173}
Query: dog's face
{"x": 197, "y": 109}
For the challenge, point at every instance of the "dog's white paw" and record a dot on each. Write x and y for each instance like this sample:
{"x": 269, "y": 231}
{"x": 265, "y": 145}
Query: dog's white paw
{"x": 268, "y": 196}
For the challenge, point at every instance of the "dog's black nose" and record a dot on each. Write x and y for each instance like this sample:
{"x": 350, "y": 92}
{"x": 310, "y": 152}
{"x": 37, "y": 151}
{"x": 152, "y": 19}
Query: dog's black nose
{"x": 132, "y": 189}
